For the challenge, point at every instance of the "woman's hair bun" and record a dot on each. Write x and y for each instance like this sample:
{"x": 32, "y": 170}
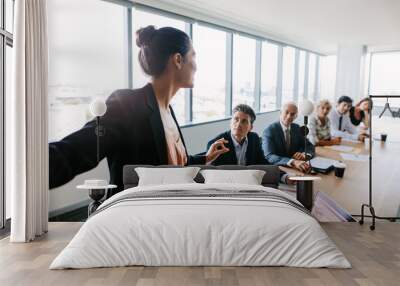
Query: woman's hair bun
{"x": 144, "y": 35}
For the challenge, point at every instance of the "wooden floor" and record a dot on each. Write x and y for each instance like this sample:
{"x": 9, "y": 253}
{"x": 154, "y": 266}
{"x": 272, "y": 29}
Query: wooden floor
{"x": 375, "y": 257}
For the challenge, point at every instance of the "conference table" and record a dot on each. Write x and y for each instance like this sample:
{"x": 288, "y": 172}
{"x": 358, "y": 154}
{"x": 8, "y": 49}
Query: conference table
{"x": 351, "y": 191}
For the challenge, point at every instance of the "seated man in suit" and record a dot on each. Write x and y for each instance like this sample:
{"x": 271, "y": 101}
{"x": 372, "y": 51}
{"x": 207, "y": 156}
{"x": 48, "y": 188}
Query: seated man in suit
{"x": 244, "y": 146}
{"x": 283, "y": 141}
{"x": 341, "y": 125}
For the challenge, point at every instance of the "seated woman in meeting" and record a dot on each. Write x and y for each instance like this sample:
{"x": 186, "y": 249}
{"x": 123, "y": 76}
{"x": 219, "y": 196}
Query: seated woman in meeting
{"x": 360, "y": 113}
{"x": 341, "y": 125}
{"x": 140, "y": 125}
{"x": 320, "y": 126}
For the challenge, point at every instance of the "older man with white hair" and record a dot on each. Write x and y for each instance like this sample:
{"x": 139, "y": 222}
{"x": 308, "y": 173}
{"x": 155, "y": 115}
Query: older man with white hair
{"x": 283, "y": 142}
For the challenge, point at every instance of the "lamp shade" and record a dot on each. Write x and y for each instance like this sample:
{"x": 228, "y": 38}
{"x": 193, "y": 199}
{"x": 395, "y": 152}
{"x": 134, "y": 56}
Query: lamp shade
{"x": 306, "y": 107}
{"x": 98, "y": 107}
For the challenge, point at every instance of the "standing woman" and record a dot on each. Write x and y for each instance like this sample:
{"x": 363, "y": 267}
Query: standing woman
{"x": 140, "y": 125}
{"x": 360, "y": 113}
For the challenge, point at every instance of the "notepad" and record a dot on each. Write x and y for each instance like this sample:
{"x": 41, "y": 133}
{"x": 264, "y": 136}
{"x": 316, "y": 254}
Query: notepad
{"x": 321, "y": 164}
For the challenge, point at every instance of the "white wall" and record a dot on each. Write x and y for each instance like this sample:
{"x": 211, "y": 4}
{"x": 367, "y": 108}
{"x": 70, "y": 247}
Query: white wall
{"x": 350, "y": 71}
{"x": 67, "y": 197}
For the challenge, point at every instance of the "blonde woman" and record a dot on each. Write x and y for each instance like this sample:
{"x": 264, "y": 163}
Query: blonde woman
{"x": 320, "y": 126}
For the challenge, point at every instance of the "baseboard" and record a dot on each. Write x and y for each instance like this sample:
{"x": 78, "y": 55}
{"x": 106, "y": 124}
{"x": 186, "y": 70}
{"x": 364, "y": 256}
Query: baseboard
{"x": 69, "y": 208}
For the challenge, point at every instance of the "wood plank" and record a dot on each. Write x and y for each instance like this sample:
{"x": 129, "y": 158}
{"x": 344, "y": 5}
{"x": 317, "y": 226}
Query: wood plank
{"x": 375, "y": 257}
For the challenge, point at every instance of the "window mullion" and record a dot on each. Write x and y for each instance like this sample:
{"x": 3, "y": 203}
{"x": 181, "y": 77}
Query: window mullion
{"x": 188, "y": 105}
{"x": 317, "y": 77}
{"x": 296, "y": 76}
{"x": 229, "y": 74}
{"x": 129, "y": 46}
{"x": 306, "y": 71}
{"x": 257, "y": 89}
{"x": 279, "y": 78}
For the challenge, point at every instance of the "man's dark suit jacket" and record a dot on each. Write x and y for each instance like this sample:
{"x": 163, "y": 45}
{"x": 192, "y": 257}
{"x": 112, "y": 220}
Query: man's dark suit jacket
{"x": 274, "y": 144}
{"x": 254, "y": 153}
{"x": 134, "y": 134}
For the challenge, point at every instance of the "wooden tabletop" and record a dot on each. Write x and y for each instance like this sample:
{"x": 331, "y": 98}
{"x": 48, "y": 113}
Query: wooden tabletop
{"x": 352, "y": 190}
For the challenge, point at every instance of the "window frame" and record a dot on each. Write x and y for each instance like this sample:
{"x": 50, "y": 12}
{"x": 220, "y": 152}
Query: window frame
{"x": 255, "y": 41}
{"x": 370, "y": 64}
{"x": 264, "y": 73}
{"x": 189, "y": 21}
{"x": 6, "y": 39}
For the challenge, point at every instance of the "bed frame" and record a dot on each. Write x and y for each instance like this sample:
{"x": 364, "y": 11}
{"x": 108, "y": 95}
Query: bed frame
{"x": 270, "y": 179}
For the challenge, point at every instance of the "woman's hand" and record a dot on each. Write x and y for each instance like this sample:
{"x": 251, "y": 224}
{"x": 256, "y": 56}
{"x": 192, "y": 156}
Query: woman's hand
{"x": 216, "y": 149}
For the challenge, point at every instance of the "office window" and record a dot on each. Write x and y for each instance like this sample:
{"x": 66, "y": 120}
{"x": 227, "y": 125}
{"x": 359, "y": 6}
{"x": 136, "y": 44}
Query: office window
{"x": 288, "y": 74}
{"x": 209, "y": 86}
{"x": 142, "y": 19}
{"x": 269, "y": 76}
{"x": 244, "y": 70}
{"x": 311, "y": 75}
{"x": 302, "y": 69}
{"x": 87, "y": 59}
{"x": 328, "y": 77}
{"x": 385, "y": 76}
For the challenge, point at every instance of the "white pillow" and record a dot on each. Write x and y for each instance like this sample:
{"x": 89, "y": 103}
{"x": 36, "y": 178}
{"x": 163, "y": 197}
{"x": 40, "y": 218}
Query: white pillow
{"x": 248, "y": 177}
{"x": 165, "y": 176}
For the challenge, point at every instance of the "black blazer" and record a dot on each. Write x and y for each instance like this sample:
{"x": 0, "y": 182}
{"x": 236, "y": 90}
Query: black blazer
{"x": 134, "y": 134}
{"x": 353, "y": 118}
{"x": 254, "y": 153}
{"x": 274, "y": 144}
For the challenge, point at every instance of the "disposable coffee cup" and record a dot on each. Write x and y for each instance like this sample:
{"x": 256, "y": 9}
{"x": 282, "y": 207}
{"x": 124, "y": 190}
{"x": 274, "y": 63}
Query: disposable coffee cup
{"x": 339, "y": 169}
{"x": 383, "y": 137}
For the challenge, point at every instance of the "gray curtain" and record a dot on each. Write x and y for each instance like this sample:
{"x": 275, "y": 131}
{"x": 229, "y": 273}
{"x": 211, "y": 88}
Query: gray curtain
{"x": 28, "y": 151}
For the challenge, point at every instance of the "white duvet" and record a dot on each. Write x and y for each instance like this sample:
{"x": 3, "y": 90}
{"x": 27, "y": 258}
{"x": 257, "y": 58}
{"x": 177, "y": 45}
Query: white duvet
{"x": 200, "y": 231}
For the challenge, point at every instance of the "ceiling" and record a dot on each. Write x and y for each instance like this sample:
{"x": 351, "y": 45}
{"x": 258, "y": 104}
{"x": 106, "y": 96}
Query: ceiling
{"x": 319, "y": 25}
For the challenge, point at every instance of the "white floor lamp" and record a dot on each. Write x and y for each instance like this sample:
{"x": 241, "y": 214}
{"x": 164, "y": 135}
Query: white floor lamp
{"x": 306, "y": 108}
{"x": 97, "y": 188}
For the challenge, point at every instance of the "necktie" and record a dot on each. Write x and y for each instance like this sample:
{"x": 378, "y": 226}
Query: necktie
{"x": 287, "y": 137}
{"x": 340, "y": 122}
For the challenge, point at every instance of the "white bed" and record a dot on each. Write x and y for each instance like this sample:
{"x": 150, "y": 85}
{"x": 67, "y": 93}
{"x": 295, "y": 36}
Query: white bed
{"x": 207, "y": 230}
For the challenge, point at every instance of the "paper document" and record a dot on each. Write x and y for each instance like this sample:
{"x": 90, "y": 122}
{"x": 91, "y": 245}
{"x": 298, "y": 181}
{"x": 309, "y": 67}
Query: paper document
{"x": 340, "y": 148}
{"x": 322, "y": 163}
{"x": 354, "y": 157}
